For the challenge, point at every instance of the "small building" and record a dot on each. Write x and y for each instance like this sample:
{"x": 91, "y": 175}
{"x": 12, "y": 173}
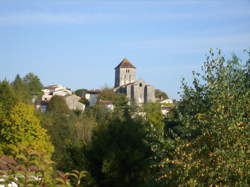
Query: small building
{"x": 50, "y": 91}
{"x": 41, "y": 105}
{"x": 165, "y": 109}
{"x": 92, "y": 96}
{"x": 109, "y": 104}
{"x": 167, "y": 101}
{"x": 73, "y": 102}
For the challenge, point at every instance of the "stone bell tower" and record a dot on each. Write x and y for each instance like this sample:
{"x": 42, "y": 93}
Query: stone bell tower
{"x": 125, "y": 73}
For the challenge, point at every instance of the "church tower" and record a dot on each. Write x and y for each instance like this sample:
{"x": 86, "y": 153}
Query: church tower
{"x": 125, "y": 73}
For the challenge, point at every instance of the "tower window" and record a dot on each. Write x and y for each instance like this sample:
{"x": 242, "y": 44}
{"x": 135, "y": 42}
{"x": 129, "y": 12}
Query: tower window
{"x": 140, "y": 84}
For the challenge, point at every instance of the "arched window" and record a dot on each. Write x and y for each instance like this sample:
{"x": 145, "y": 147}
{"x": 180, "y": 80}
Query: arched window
{"x": 140, "y": 84}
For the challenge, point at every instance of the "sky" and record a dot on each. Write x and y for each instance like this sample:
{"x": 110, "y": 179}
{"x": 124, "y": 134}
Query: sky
{"x": 78, "y": 43}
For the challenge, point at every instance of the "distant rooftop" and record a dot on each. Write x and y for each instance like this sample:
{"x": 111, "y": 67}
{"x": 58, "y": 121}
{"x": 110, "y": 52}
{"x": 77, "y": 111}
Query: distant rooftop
{"x": 125, "y": 64}
{"x": 51, "y": 86}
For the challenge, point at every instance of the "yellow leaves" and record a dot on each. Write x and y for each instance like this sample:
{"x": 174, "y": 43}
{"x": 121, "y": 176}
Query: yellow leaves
{"x": 22, "y": 127}
{"x": 202, "y": 117}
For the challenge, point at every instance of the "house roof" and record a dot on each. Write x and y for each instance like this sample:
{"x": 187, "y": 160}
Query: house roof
{"x": 94, "y": 91}
{"x": 125, "y": 64}
{"x": 107, "y": 102}
{"x": 51, "y": 86}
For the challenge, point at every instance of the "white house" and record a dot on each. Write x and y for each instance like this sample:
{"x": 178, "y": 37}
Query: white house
{"x": 167, "y": 101}
{"x": 108, "y": 104}
{"x": 166, "y": 105}
{"x": 52, "y": 90}
{"x": 73, "y": 102}
{"x": 92, "y": 96}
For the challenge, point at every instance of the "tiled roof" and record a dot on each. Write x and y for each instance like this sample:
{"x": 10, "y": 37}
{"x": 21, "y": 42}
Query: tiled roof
{"x": 93, "y": 91}
{"x": 107, "y": 102}
{"x": 51, "y": 87}
{"x": 125, "y": 64}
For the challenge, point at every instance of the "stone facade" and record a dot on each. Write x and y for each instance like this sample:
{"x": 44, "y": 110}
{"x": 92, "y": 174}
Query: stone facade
{"x": 125, "y": 73}
{"x": 73, "y": 102}
{"x": 137, "y": 91}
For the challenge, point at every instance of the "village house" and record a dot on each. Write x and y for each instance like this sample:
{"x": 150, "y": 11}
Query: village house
{"x": 52, "y": 90}
{"x": 92, "y": 96}
{"x": 71, "y": 100}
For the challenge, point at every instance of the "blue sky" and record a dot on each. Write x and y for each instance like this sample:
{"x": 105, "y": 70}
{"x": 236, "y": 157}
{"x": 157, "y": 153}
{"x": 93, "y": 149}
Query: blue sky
{"x": 77, "y": 43}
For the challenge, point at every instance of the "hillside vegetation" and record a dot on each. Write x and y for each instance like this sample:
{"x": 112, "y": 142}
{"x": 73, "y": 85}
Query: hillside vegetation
{"x": 203, "y": 141}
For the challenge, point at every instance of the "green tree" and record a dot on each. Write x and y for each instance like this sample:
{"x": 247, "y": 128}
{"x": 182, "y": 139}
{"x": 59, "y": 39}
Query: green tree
{"x": 81, "y": 92}
{"x": 118, "y": 154}
{"x": 215, "y": 113}
{"x": 60, "y": 127}
{"x": 153, "y": 114}
{"x": 122, "y": 109}
{"x": 20, "y": 127}
{"x": 107, "y": 94}
{"x": 58, "y": 105}
{"x": 34, "y": 84}
{"x": 8, "y": 97}
{"x": 21, "y": 89}
{"x": 160, "y": 94}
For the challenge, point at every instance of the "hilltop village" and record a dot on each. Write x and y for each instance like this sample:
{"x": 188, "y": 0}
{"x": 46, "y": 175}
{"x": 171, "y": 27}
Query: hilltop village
{"x": 129, "y": 135}
{"x": 138, "y": 92}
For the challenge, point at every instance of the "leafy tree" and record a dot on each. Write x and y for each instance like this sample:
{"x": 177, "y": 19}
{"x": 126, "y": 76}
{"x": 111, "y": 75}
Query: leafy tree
{"x": 8, "y": 97}
{"x": 107, "y": 94}
{"x": 81, "y": 92}
{"x": 122, "y": 109}
{"x": 153, "y": 114}
{"x": 58, "y": 105}
{"x": 20, "y": 127}
{"x": 62, "y": 132}
{"x": 99, "y": 112}
{"x": 21, "y": 89}
{"x": 34, "y": 84}
{"x": 119, "y": 155}
{"x": 69, "y": 134}
{"x": 160, "y": 94}
{"x": 215, "y": 114}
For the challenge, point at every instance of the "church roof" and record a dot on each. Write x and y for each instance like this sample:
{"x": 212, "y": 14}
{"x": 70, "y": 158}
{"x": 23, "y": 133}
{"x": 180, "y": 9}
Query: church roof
{"x": 125, "y": 64}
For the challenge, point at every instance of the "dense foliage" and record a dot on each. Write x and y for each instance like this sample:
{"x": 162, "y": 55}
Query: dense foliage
{"x": 203, "y": 141}
{"x": 160, "y": 94}
{"x": 214, "y": 113}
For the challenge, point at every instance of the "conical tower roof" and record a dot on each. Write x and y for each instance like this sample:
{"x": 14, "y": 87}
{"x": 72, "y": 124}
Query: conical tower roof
{"x": 125, "y": 64}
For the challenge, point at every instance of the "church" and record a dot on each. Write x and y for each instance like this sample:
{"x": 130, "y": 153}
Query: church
{"x": 137, "y": 91}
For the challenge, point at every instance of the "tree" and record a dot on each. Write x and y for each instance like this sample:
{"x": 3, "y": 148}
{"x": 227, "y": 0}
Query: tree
{"x": 60, "y": 127}
{"x": 153, "y": 114}
{"x": 58, "y": 105}
{"x": 160, "y": 94}
{"x": 34, "y": 84}
{"x": 81, "y": 92}
{"x": 8, "y": 97}
{"x": 118, "y": 154}
{"x": 215, "y": 114}
{"x": 20, "y": 127}
{"x": 21, "y": 89}
{"x": 107, "y": 94}
{"x": 122, "y": 109}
